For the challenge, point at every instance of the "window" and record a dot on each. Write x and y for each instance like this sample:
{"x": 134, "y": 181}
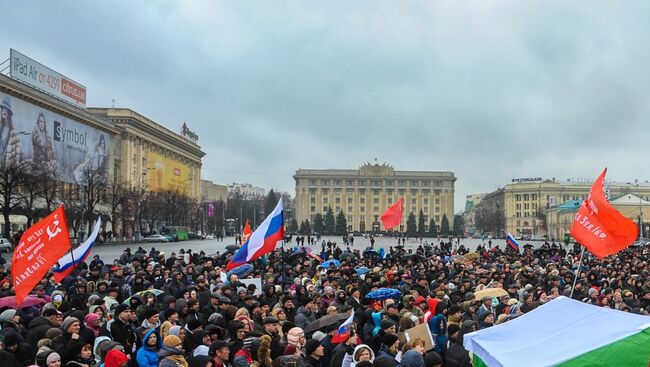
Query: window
{"x": 437, "y": 184}
{"x": 425, "y": 200}
{"x": 362, "y": 218}
{"x": 413, "y": 201}
{"x": 350, "y": 209}
{"x": 414, "y": 183}
{"x": 518, "y": 223}
{"x": 527, "y": 214}
{"x": 414, "y": 191}
{"x": 362, "y": 200}
{"x": 312, "y": 191}
{"x": 534, "y": 205}
{"x": 337, "y": 200}
{"x": 390, "y": 183}
{"x": 324, "y": 191}
{"x": 533, "y": 196}
{"x": 401, "y": 192}
{"x": 312, "y": 182}
{"x": 402, "y": 183}
{"x": 349, "y": 200}
{"x": 325, "y": 199}
{"x": 313, "y": 208}
{"x": 375, "y": 183}
{"x": 389, "y": 201}
{"x": 337, "y": 182}
{"x": 338, "y": 209}
{"x": 362, "y": 182}
{"x": 349, "y": 182}
{"x": 437, "y": 201}
{"x": 518, "y": 206}
{"x": 389, "y": 192}
{"x": 337, "y": 191}
{"x": 437, "y": 209}
{"x": 362, "y": 191}
{"x": 412, "y": 209}
{"x": 518, "y": 214}
{"x": 324, "y": 182}
{"x": 526, "y": 197}
{"x": 350, "y": 191}
{"x": 376, "y": 209}
{"x": 313, "y": 200}
{"x": 349, "y": 219}
{"x": 517, "y": 197}
{"x": 526, "y": 206}
{"x": 375, "y": 201}
{"x": 426, "y": 183}
{"x": 324, "y": 209}
{"x": 362, "y": 208}
{"x": 425, "y": 192}
{"x": 437, "y": 218}
{"x": 425, "y": 209}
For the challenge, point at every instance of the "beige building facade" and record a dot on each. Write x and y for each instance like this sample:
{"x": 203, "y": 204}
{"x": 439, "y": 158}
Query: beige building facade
{"x": 211, "y": 192}
{"x": 364, "y": 194}
{"x": 148, "y": 154}
{"x": 521, "y": 207}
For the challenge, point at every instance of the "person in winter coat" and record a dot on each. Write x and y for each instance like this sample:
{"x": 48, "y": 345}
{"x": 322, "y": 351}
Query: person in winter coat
{"x": 457, "y": 355}
{"x": 361, "y": 353}
{"x": 115, "y": 358}
{"x": 41, "y": 324}
{"x": 305, "y": 314}
{"x": 83, "y": 356}
{"x": 70, "y": 341}
{"x": 388, "y": 352}
{"x": 171, "y": 353}
{"x": 245, "y": 356}
{"x": 342, "y": 350}
{"x": 147, "y": 355}
{"x": 437, "y": 321}
{"x": 414, "y": 356}
{"x": 386, "y": 327}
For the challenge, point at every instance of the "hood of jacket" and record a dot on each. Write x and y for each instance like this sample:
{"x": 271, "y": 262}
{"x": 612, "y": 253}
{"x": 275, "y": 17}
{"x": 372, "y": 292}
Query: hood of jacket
{"x": 360, "y": 346}
{"x": 166, "y": 351}
{"x": 148, "y": 334}
{"x": 304, "y": 310}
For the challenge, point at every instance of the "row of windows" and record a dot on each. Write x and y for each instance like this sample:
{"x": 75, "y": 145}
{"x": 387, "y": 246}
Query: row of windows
{"x": 525, "y": 197}
{"x": 337, "y": 200}
{"x": 376, "y": 183}
{"x": 375, "y": 192}
{"x": 375, "y": 209}
{"x": 526, "y": 206}
{"x": 362, "y": 218}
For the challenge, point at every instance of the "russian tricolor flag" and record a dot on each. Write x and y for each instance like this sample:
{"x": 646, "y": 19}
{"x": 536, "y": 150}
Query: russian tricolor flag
{"x": 343, "y": 333}
{"x": 263, "y": 240}
{"x": 66, "y": 263}
{"x": 510, "y": 240}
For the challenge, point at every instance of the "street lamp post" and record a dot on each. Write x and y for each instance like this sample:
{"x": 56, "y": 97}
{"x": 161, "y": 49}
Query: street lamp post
{"x": 638, "y": 193}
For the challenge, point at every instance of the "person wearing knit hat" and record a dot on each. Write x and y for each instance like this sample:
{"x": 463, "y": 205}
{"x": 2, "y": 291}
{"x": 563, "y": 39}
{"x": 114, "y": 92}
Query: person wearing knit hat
{"x": 388, "y": 351}
{"x": 296, "y": 336}
{"x": 7, "y": 315}
{"x": 171, "y": 354}
{"x": 71, "y": 325}
{"x": 54, "y": 360}
{"x": 115, "y": 358}
{"x": 313, "y": 351}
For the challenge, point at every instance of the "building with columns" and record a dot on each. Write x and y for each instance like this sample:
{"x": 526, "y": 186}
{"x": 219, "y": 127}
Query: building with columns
{"x": 364, "y": 194}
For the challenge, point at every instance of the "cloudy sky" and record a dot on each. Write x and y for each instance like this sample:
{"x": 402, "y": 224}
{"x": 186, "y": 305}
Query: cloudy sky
{"x": 490, "y": 90}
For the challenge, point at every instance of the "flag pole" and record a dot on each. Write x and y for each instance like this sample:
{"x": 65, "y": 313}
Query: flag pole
{"x": 575, "y": 280}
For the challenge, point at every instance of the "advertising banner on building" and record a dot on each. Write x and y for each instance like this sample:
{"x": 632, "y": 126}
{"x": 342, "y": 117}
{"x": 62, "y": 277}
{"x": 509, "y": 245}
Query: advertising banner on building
{"x": 166, "y": 174}
{"x": 50, "y": 141}
{"x": 40, "y": 76}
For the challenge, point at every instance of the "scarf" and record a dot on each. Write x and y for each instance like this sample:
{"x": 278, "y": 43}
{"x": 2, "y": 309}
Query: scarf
{"x": 178, "y": 359}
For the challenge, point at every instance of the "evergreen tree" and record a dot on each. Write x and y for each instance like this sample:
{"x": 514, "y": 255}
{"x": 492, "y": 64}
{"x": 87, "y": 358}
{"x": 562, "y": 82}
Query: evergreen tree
{"x": 330, "y": 223}
{"x": 319, "y": 227}
{"x": 292, "y": 227}
{"x": 421, "y": 224}
{"x": 411, "y": 229}
{"x": 459, "y": 225}
{"x": 305, "y": 228}
{"x": 444, "y": 226}
{"x": 433, "y": 229}
{"x": 341, "y": 224}
{"x": 270, "y": 203}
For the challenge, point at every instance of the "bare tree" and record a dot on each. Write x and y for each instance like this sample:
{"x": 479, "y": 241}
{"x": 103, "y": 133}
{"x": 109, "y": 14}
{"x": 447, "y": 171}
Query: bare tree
{"x": 11, "y": 179}
{"x": 49, "y": 182}
{"x": 93, "y": 187}
{"x": 117, "y": 196}
{"x": 29, "y": 193}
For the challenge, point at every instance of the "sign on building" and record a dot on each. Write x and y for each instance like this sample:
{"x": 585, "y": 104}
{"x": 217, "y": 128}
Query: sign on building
{"x": 41, "y": 77}
{"x": 50, "y": 141}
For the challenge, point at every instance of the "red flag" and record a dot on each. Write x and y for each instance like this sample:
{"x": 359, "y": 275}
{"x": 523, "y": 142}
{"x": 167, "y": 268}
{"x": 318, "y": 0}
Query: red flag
{"x": 40, "y": 247}
{"x": 246, "y": 232}
{"x": 393, "y": 215}
{"x": 599, "y": 227}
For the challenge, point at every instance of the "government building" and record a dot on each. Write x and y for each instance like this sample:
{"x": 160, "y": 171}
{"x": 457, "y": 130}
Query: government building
{"x": 364, "y": 194}
{"x": 536, "y": 206}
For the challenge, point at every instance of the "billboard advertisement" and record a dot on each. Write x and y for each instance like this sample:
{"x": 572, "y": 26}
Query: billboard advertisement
{"x": 166, "y": 174}
{"x": 40, "y": 76}
{"x": 50, "y": 141}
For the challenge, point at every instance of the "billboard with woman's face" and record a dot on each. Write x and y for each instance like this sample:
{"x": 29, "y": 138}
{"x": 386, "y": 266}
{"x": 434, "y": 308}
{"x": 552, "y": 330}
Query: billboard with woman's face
{"x": 50, "y": 141}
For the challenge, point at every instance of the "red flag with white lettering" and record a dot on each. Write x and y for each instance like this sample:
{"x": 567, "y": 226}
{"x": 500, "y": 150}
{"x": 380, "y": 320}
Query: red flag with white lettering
{"x": 599, "y": 227}
{"x": 40, "y": 247}
{"x": 393, "y": 215}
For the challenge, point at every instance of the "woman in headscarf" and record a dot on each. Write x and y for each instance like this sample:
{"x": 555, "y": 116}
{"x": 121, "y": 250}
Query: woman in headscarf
{"x": 171, "y": 353}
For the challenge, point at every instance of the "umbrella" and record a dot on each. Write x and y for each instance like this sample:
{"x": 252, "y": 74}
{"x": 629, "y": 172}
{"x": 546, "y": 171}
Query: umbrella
{"x": 528, "y": 245}
{"x": 10, "y": 301}
{"x": 155, "y": 292}
{"x": 296, "y": 256}
{"x": 362, "y": 270}
{"x": 240, "y": 271}
{"x": 328, "y": 263}
{"x": 370, "y": 253}
{"x": 490, "y": 292}
{"x": 413, "y": 257}
{"x": 232, "y": 248}
{"x": 326, "y": 321}
{"x": 345, "y": 255}
{"x": 384, "y": 293}
{"x": 315, "y": 257}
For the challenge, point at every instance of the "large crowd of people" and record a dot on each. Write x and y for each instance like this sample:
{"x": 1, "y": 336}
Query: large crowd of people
{"x": 183, "y": 309}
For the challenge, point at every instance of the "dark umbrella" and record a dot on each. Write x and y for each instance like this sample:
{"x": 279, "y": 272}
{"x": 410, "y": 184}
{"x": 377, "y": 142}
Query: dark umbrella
{"x": 370, "y": 253}
{"x": 413, "y": 257}
{"x": 384, "y": 293}
{"x": 241, "y": 270}
{"x": 326, "y": 321}
{"x": 345, "y": 255}
{"x": 528, "y": 246}
{"x": 232, "y": 248}
{"x": 296, "y": 256}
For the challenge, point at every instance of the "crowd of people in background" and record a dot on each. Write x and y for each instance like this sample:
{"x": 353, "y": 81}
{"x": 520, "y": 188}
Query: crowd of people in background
{"x": 183, "y": 309}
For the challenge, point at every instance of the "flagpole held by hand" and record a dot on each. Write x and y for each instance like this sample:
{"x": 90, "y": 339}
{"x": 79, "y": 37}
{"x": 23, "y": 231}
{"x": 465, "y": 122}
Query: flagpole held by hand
{"x": 575, "y": 280}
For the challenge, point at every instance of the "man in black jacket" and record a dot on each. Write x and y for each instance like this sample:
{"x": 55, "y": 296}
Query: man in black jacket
{"x": 120, "y": 329}
{"x": 39, "y": 326}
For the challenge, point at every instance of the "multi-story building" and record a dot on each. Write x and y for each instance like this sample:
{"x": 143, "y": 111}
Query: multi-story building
{"x": 246, "y": 190}
{"x": 520, "y": 206}
{"x": 211, "y": 192}
{"x": 469, "y": 214}
{"x": 364, "y": 194}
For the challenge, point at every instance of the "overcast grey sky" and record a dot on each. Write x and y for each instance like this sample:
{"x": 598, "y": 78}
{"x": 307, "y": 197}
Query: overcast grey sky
{"x": 489, "y": 90}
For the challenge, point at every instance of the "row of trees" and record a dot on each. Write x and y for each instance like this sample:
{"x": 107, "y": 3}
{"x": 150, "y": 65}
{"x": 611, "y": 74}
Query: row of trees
{"x": 326, "y": 225}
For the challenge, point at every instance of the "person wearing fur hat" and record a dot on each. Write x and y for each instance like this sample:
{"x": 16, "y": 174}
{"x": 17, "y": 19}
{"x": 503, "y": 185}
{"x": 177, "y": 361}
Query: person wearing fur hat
{"x": 147, "y": 355}
{"x": 171, "y": 353}
{"x": 388, "y": 352}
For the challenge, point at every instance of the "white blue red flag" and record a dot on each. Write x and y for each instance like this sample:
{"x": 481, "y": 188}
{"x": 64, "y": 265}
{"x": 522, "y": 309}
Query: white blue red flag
{"x": 343, "y": 333}
{"x": 510, "y": 240}
{"x": 263, "y": 240}
{"x": 80, "y": 254}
